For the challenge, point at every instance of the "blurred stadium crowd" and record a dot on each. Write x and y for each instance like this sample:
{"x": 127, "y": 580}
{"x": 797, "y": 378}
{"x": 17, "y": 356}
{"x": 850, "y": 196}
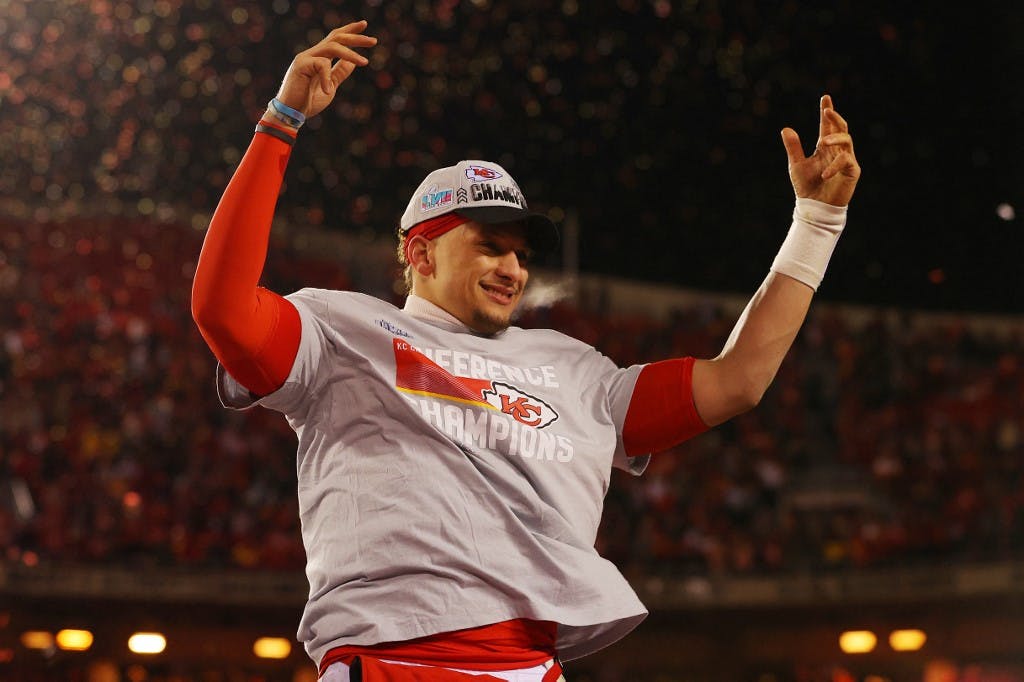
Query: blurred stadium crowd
{"x": 882, "y": 442}
{"x": 885, "y": 442}
{"x": 652, "y": 113}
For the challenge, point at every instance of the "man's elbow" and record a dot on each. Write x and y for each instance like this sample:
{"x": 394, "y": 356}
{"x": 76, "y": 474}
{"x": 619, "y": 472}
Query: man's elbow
{"x": 207, "y": 315}
{"x": 748, "y": 393}
{"x": 752, "y": 396}
{"x": 743, "y": 400}
{"x": 201, "y": 309}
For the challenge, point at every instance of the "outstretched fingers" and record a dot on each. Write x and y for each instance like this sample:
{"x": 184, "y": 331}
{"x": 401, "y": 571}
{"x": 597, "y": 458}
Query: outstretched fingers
{"x": 339, "y": 72}
{"x": 338, "y": 51}
{"x": 791, "y": 141}
{"x": 824, "y": 125}
{"x": 314, "y": 75}
{"x": 838, "y": 122}
{"x": 334, "y": 62}
{"x": 340, "y": 46}
{"x": 352, "y": 27}
{"x": 844, "y": 163}
{"x": 348, "y": 38}
{"x": 841, "y": 145}
{"x": 831, "y": 172}
{"x": 336, "y": 56}
{"x": 837, "y": 140}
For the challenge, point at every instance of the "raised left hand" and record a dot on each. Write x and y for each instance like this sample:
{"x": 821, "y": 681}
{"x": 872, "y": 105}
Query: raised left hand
{"x": 830, "y": 174}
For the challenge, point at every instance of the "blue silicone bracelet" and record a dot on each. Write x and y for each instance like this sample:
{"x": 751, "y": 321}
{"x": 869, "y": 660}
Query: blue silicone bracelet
{"x": 293, "y": 117}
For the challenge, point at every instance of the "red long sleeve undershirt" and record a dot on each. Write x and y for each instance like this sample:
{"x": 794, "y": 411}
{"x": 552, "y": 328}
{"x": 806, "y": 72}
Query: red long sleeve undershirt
{"x": 252, "y": 331}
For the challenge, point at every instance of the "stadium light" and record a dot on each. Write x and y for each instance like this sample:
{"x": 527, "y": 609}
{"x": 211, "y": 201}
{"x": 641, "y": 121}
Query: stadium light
{"x": 74, "y": 640}
{"x": 857, "y": 641}
{"x": 147, "y": 643}
{"x": 36, "y": 639}
{"x": 907, "y": 640}
{"x": 272, "y": 647}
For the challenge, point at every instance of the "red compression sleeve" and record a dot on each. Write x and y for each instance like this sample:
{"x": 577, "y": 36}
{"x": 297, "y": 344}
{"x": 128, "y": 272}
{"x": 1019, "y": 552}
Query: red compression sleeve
{"x": 661, "y": 411}
{"x": 253, "y": 332}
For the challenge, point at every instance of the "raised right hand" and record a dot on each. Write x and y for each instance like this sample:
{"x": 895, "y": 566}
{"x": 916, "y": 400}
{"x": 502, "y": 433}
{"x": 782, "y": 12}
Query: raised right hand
{"x": 313, "y": 78}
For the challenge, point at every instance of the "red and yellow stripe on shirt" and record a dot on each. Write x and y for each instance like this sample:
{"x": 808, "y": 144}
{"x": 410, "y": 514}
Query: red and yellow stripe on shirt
{"x": 419, "y": 375}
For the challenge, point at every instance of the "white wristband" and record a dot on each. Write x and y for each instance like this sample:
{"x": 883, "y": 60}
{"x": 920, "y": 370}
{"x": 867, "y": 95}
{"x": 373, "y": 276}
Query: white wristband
{"x": 812, "y": 238}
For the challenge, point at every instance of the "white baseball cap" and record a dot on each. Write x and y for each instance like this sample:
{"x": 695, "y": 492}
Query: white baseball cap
{"x": 482, "y": 191}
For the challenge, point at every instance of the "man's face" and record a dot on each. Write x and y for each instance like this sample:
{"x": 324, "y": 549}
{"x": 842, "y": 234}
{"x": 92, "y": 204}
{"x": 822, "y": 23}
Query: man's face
{"x": 479, "y": 274}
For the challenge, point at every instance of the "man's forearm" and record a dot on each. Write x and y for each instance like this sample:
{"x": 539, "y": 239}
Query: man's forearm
{"x": 736, "y": 380}
{"x": 758, "y": 343}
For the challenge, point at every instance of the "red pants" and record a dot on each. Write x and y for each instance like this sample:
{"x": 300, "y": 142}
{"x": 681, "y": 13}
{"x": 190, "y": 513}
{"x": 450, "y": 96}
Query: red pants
{"x": 364, "y": 669}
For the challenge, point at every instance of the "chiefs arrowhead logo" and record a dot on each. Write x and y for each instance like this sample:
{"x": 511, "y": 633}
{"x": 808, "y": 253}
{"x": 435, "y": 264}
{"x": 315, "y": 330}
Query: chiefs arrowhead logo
{"x": 523, "y": 407}
{"x": 482, "y": 173}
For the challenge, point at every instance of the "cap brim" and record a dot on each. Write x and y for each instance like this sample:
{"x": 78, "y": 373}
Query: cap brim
{"x": 541, "y": 231}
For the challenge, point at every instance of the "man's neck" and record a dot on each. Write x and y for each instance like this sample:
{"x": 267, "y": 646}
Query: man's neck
{"x": 427, "y": 310}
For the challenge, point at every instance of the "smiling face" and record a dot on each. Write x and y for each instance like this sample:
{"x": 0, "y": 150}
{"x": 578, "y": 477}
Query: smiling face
{"x": 475, "y": 272}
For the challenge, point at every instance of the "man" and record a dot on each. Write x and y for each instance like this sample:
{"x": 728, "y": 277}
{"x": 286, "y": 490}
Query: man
{"x": 451, "y": 467}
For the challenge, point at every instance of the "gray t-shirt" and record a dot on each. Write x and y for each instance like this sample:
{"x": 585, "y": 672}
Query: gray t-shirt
{"x": 449, "y": 480}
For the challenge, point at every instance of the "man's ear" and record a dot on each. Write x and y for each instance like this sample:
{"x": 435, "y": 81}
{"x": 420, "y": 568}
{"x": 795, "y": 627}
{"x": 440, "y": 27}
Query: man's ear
{"x": 420, "y": 253}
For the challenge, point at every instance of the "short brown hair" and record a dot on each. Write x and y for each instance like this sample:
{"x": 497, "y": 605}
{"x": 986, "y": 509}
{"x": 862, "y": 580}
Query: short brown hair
{"x": 404, "y": 262}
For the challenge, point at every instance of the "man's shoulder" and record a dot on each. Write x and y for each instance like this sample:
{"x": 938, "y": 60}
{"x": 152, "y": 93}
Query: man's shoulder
{"x": 331, "y": 297}
{"x": 542, "y": 336}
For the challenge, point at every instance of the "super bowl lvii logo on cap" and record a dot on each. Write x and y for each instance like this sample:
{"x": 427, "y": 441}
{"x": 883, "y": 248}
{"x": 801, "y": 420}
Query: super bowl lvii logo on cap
{"x": 435, "y": 198}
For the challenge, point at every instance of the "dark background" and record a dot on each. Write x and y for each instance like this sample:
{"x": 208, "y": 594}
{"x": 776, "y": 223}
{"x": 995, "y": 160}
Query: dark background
{"x": 656, "y": 122}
